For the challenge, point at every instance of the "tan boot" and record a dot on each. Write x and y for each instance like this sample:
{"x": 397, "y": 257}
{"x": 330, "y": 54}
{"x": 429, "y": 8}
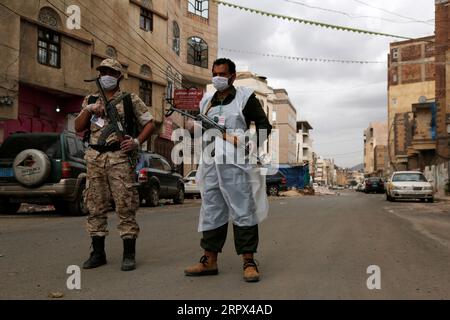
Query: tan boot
{"x": 206, "y": 267}
{"x": 251, "y": 273}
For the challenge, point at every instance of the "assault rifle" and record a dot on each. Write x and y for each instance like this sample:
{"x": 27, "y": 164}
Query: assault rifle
{"x": 208, "y": 123}
{"x": 115, "y": 125}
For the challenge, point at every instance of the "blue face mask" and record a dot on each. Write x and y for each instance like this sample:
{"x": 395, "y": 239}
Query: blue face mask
{"x": 108, "y": 83}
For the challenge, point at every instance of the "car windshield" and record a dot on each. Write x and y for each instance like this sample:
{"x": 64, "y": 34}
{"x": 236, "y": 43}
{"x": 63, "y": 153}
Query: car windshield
{"x": 409, "y": 177}
{"x": 12, "y": 146}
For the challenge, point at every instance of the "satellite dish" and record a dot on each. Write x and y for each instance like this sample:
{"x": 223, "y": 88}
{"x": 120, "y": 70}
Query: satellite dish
{"x": 423, "y": 99}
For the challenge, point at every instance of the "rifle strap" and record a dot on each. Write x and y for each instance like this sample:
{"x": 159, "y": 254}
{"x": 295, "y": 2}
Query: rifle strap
{"x": 208, "y": 108}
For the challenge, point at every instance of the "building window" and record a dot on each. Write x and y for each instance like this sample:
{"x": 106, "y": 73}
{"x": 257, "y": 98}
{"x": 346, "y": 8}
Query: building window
{"x": 111, "y": 52}
{"x": 176, "y": 38}
{"x": 146, "y": 71}
{"x": 49, "y": 17}
{"x": 199, "y": 7}
{"x": 145, "y": 92}
{"x": 49, "y": 48}
{"x": 146, "y": 20}
{"x": 197, "y": 52}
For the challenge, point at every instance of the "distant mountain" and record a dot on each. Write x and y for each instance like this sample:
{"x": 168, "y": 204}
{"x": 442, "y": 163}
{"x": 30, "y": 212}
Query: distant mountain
{"x": 359, "y": 167}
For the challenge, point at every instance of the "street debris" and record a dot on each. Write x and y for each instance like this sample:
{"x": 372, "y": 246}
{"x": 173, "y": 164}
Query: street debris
{"x": 55, "y": 295}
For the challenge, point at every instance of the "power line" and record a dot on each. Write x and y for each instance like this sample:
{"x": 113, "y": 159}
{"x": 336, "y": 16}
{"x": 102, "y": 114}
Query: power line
{"x": 163, "y": 72}
{"x": 303, "y": 59}
{"x": 165, "y": 75}
{"x": 393, "y": 13}
{"x": 349, "y": 15}
{"x": 304, "y": 21}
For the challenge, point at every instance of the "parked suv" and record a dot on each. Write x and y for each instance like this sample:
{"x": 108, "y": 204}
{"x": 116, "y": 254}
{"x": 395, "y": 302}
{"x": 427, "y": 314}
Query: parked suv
{"x": 276, "y": 183}
{"x": 41, "y": 168}
{"x": 158, "y": 180}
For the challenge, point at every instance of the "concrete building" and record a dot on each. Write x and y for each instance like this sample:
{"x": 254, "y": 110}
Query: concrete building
{"x": 439, "y": 169}
{"x": 326, "y": 173}
{"x": 160, "y": 44}
{"x": 411, "y": 79}
{"x": 284, "y": 118}
{"x": 375, "y": 149}
{"x": 305, "y": 145}
{"x": 442, "y": 93}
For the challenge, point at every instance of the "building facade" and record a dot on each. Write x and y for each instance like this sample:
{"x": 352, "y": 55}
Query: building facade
{"x": 411, "y": 79}
{"x": 375, "y": 149}
{"x": 162, "y": 45}
{"x": 305, "y": 145}
{"x": 284, "y": 118}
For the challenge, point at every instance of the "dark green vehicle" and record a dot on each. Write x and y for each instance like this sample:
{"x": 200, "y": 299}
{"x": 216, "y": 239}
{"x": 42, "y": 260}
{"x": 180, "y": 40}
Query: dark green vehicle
{"x": 43, "y": 168}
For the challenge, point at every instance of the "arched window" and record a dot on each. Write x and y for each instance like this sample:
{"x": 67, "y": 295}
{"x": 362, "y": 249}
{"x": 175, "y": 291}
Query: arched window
{"x": 111, "y": 52}
{"x": 146, "y": 71}
{"x": 176, "y": 38}
{"x": 199, "y": 7}
{"x": 197, "y": 54}
{"x": 49, "y": 17}
{"x": 49, "y": 41}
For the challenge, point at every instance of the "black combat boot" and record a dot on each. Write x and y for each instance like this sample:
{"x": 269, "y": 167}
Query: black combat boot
{"x": 129, "y": 255}
{"x": 98, "y": 255}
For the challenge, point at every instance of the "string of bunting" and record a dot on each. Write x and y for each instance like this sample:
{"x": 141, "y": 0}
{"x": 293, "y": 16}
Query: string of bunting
{"x": 315, "y": 23}
{"x": 304, "y": 59}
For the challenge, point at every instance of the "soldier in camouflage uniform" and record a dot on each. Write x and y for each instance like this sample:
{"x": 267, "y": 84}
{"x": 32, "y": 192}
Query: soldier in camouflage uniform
{"x": 110, "y": 174}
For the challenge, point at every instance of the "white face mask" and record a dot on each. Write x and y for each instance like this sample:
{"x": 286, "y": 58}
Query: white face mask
{"x": 108, "y": 82}
{"x": 221, "y": 83}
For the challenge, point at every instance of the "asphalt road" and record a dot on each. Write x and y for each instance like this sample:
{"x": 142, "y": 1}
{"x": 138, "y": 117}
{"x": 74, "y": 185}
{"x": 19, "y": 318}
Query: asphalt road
{"x": 310, "y": 248}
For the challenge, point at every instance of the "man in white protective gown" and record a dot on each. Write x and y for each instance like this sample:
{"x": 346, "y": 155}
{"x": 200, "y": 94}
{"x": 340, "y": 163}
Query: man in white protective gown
{"x": 231, "y": 190}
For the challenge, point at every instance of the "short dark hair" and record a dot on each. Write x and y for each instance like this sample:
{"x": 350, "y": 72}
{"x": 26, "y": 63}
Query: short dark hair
{"x": 231, "y": 65}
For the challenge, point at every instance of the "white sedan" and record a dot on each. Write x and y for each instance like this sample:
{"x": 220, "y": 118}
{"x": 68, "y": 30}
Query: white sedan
{"x": 190, "y": 186}
{"x": 409, "y": 185}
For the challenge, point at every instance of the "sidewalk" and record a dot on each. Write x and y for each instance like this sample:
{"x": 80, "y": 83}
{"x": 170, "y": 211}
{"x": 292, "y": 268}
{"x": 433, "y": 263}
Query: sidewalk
{"x": 442, "y": 197}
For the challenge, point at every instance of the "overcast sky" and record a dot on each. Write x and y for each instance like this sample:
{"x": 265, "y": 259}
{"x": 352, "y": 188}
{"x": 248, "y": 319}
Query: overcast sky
{"x": 339, "y": 100}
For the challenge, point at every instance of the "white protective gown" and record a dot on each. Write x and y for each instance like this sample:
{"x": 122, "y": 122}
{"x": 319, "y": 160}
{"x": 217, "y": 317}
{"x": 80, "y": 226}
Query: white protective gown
{"x": 235, "y": 192}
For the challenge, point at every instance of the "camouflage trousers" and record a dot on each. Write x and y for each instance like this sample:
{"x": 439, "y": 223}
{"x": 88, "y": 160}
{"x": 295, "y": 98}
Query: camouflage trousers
{"x": 108, "y": 183}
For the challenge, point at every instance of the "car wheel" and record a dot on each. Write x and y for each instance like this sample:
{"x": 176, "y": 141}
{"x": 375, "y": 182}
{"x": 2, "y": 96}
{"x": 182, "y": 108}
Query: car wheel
{"x": 179, "y": 198}
{"x": 431, "y": 200}
{"x": 153, "y": 197}
{"x": 423, "y": 200}
{"x": 273, "y": 190}
{"x": 7, "y": 207}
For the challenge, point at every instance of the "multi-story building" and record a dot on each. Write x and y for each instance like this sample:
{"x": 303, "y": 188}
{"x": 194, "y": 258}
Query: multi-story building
{"x": 411, "y": 80}
{"x": 442, "y": 94}
{"x": 284, "y": 118}
{"x": 161, "y": 45}
{"x": 305, "y": 145}
{"x": 375, "y": 149}
{"x": 325, "y": 173}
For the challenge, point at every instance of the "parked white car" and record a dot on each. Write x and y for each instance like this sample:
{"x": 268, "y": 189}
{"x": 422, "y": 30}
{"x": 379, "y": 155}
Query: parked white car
{"x": 190, "y": 186}
{"x": 409, "y": 185}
